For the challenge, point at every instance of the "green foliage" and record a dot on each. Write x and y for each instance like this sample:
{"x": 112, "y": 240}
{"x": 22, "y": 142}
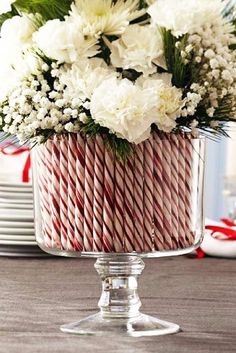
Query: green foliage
{"x": 6, "y": 16}
{"x": 120, "y": 147}
{"x": 142, "y": 4}
{"x": 181, "y": 72}
{"x": 49, "y": 9}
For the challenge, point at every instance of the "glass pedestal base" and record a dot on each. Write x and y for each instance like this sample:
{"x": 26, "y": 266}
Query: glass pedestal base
{"x": 142, "y": 325}
{"x": 119, "y": 303}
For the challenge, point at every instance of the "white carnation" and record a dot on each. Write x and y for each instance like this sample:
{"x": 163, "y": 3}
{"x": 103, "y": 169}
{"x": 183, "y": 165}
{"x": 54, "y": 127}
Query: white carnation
{"x": 168, "y": 100}
{"x": 139, "y": 48}
{"x": 5, "y": 6}
{"x": 185, "y": 16}
{"x": 83, "y": 77}
{"x": 16, "y": 57}
{"x": 19, "y": 29}
{"x": 124, "y": 108}
{"x": 63, "y": 41}
{"x": 105, "y": 16}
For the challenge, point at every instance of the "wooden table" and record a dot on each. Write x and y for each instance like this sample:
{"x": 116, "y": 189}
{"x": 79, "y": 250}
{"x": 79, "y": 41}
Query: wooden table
{"x": 38, "y": 295}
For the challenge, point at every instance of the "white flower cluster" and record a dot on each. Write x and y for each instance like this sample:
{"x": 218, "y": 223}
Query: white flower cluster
{"x": 106, "y": 63}
{"x": 217, "y": 64}
{"x": 30, "y": 109}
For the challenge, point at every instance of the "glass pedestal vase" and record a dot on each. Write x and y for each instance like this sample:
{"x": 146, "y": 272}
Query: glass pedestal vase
{"x": 89, "y": 203}
{"x": 120, "y": 303}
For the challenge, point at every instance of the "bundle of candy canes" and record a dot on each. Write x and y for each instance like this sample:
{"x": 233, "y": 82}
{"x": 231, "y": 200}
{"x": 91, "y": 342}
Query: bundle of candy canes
{"x": 93, "y": 202}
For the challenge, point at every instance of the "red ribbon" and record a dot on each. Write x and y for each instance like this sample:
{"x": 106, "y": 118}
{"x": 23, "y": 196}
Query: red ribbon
{"x": 226, "y": 234}
{"x": 17, "y": 151}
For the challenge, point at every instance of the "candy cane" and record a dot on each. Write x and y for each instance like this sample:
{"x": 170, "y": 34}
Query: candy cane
{"x": 176, "y": 229}
{"x": 139, "y": 198}
{"x": 129, "y": 206}
{"x": 72, "y": 199}
{"x": 159, "y": 242}
{"x": 119, "y": 189}
{"x": 44, "y": 199}
{"x": 188, "y": 189}
{"x": 67, "y": 231}
{"x": 53, "y": 191}
{"x": 98, "y": 194}
{"x": 89, "y": 194}
{"x": 108, "y": 202}
{"x": 167, "y": 200}
{"x": 182, "y": 187}
{"x": 79, "y": 192}
{"x": 148, "y": 196}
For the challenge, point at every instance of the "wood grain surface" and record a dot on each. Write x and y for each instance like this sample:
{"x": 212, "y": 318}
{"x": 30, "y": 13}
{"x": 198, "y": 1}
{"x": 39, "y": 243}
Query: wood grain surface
{"x": 37, "y": 296}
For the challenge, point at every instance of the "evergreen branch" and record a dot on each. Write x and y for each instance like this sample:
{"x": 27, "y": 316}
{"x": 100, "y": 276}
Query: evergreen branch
{"x": 48, "y": 9}
{"x": 120, "y": 147}
{"x": 181, "y": 72}
{"x": 6, "y": 16}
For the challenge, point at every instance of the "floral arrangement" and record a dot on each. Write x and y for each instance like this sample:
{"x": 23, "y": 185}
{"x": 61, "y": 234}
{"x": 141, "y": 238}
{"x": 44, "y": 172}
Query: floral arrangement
{"x": 118, "y": 68}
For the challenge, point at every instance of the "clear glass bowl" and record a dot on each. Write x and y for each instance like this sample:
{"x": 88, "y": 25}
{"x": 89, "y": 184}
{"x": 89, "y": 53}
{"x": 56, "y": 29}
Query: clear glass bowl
{"x": 89, "y": 203}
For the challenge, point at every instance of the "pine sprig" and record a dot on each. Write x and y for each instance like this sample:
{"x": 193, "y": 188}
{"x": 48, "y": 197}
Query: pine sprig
{"x": 48, "y": 9}
{"x": 120, "y": 147}
{"x": 6, "y": 16}
{"x": 181, "y": 72}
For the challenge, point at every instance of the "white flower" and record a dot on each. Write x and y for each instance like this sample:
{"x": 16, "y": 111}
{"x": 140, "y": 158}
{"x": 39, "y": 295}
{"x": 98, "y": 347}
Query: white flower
{"x": 105, "y": 16}
{"x": 168, "y": 100}
{"x": 5, "y": 6}
{"x": 184, "y": 16}
{"x": 124, "y": 108}
{"x": 16, "y": 57}
{"x": 19, "y": 29}
{"x": 63, "y": 41}
{"x": 83, "y": 77}
{"x": 139, "y": 48}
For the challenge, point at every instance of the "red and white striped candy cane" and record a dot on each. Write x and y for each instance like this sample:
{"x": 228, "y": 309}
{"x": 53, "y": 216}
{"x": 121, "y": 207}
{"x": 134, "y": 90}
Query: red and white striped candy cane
{"x": 79, "y": 192}
{"x": 167, "y": 198}
{"x": 67, "y": 230}
{"x": 139, "y": 198}
{"x": 129, "y": 206}
{"x": 98, "y": 194}
{"x": 176, "y": 229}
{"x": 148, "y": 196}
{"x": 188, "y": 189}
{"x": 108, "y": 202}
{"x": 53, "y": 190}
{"x": 159, "y": 242}
{"x": 89, "y": 194}
{"x": 119, "y": 189}
{"x": 182, "y": 187}
{"x": 44, "y": 199}
{"x": 72, "y": 200}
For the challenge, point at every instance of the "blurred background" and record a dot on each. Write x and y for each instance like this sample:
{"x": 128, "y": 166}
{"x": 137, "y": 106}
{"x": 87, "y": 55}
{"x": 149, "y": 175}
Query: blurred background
{"x": 220, "y": 179}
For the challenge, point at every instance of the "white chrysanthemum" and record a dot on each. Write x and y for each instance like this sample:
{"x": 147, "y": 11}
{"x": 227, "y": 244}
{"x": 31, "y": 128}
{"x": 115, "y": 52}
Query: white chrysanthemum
{"x": 83, "y": 77}
{"x": 104, "y": 16}
{"x": 5, "y": 6}
{"x": 168, "y": 100}
{"x": 184, "y": 16}
{"x": 63, "y": 41}
{"x": 124, "y": 108}
{"x": 139, "y": 48}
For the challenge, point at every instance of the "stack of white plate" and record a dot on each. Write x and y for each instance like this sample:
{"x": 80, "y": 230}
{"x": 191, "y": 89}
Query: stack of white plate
{"x": 17, "y": 234}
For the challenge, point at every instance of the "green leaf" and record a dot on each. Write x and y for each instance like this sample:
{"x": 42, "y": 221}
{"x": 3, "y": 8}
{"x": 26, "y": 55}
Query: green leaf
{"x": 181, "y": 72}
{"x": 49, "y": 9}
{"x": 6, "y": 16}
{"x": 121, "y": 147}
